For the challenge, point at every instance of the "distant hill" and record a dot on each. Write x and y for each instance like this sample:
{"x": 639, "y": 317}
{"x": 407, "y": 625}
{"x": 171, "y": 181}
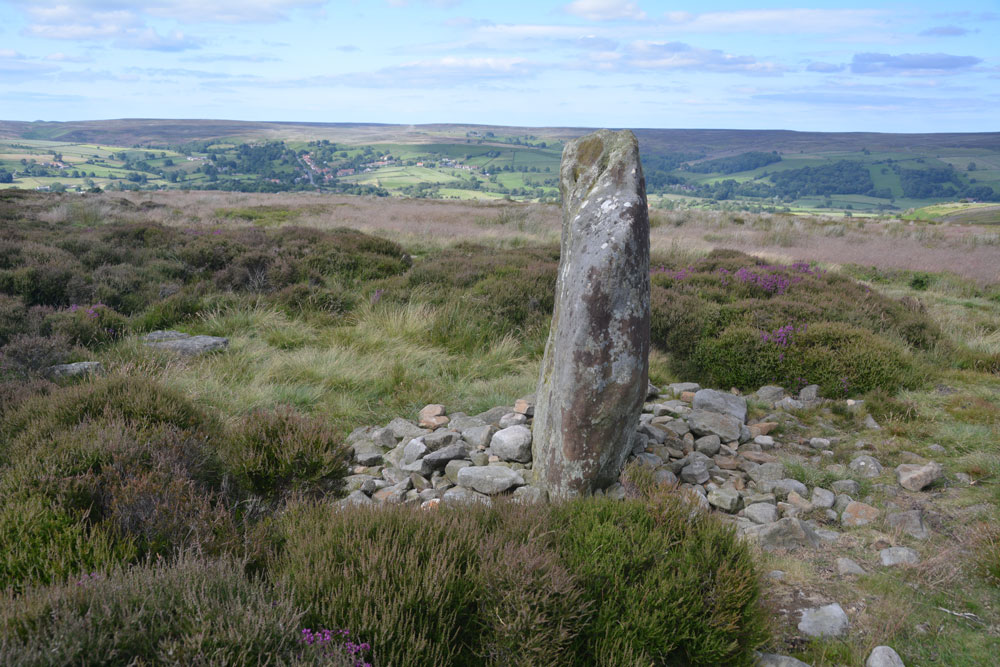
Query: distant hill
{"x": 852, "y": 172}
{"x": 715, "y": 143}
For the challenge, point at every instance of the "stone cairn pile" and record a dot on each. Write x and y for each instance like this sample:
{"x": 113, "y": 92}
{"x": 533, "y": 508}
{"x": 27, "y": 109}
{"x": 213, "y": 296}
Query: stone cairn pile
{"x": 696, "y": 439}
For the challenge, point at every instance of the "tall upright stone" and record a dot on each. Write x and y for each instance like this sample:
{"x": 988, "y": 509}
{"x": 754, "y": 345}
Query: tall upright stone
{"x": 594, "y": 374}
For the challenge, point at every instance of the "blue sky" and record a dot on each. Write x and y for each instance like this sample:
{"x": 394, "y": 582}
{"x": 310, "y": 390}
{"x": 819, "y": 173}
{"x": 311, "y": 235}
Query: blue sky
{"x": 918, "y": 66}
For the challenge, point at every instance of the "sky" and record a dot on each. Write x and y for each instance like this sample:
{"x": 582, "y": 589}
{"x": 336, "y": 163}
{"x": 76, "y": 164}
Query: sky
{"x": 915, "y": 66}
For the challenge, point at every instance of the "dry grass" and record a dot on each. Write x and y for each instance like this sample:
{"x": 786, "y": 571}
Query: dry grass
{"x": 966, "y": 250}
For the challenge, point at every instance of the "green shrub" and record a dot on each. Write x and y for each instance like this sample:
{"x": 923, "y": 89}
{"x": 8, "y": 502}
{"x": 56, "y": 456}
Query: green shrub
{"x": 40, "y": 544}
{"x": 90, "y": 326}
{"x": 26, "y": 356}
{"x": 190, "y": 612}
{"x": 843, "y": 360}
{"x": 398, "y": 576}
{"x": 671, "y": 585}
{"x": 139, "y": 401}
{"x": 274, "y": 452}
{"x": 170, "y": 311}
{"x": 693, "y": 306}
{"x": 585, "y": 582}
{"x": 13, "y": 318}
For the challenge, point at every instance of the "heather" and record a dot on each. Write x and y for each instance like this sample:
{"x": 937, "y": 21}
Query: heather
{"x": 739, "y": 321}
{"x": 225, "y": 470}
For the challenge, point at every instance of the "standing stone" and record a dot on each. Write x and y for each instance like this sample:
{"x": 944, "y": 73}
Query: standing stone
{"x": 595, "y": 371}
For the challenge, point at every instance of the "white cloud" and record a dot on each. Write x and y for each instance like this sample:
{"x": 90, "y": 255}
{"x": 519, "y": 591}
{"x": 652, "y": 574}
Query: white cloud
{"x": 681, "y": 56}
{"x": 449, "y": 72}
{"x": 605, "y": 10}
{"x": 778, "y": 20}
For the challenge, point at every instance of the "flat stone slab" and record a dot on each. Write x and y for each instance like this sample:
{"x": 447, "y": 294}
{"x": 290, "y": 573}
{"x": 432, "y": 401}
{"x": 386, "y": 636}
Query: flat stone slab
{"x": 490, "y": 480}
{"x": 705, "y": 422}
{"x": 512, "y": 443}
{"x": 884, "y": 656}
{"x": 914, "y": 477}
{"x": 898, "y": 556}
{"x": 721, "y": 402}
{"x": 184, "y": 344}
{"x": 858, "y": 514}
{"x": 79, "y": 369}
{"x": 827, "y": 621}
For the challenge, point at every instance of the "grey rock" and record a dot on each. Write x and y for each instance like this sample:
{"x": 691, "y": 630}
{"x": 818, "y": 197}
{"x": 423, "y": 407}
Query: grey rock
{"x": 846, "y": 566}
{"x": 185, "y": 344}
{"x": 789, "y": 404}
{"x": 826, "y": 534}
{"x": 910, "y": 522}
{"x": 721, "y": 402}
{"x": 765, "y": 441}
{"x": 356, "y": 482}
{"x": 695, "y": 473}
{"x": 394, "y": 475}
{"x": 394, "y": 457}
{"x": 360, "y": 433}
{"x": 441, "y": 438}
{"x": 708, "y": 444}
{"x": 761, "y": 513}
{"x": 703, "y": 422}
{"x": 846, "y": 486}
{"x": 841, "y": 502}
{"x": 615, "y": 492}
{"x": 679, "y": 428}
{"x": 884, "y": 656}
{"x": 530, "y": 494}
{"x": 512, "y": 443}
{"x": 459, "y": 421}
{"x": 440, "y": 459}
{"x": 493, "y": 415}
{"x": 678, "y": 388}
{"x": 770, "y": 394}
{"x": 368, "y": 453}
{"x": 163, "y": 336}
{"x": 594, "y": 373}
{"x": 479, "y": 458}
{"x": 858, "y": 514}
{"x": 479, "y": 436}
{"x": 79, "y": 369}
{"x": 413, "y": 450}
{"x": 865, "y": 466}
{"x": 725, "y": 498}
{"x": 822, "y": 498}
{"x": 384, "y": 438}
{"x": 809, "y": 393}
{"x": 775, "y": 660}
{"x": 787, "y": 533}
{"x": 512, "y": 419}
{"x": 665, "y": 476}
{"x": 649, "y": 460}
{"x": 452, "y": 467}
{"x": 420, "y": 466}
{"x": 402, "y": 429}
{"x": 460, "y": 494}
{"x": 937, "y": 449}
{"x": 819, "y": 443}
{"x": 767, "y": 471}
{"x": 420, "y": 483}
{"x": 898, "y": 556}
{"x": 490, "y": 480}
{"x": 827, "y": 621}
{"x": 355, "y": 498}
{"x": 870, "y": 423}
{"x": 673, "y": 408}
{"x": 782, "y": 487}
{"x": 913, "y": 477}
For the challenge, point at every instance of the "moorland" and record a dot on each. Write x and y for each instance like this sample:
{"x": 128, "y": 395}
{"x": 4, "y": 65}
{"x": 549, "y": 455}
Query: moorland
{"x": 172, "y": 510}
